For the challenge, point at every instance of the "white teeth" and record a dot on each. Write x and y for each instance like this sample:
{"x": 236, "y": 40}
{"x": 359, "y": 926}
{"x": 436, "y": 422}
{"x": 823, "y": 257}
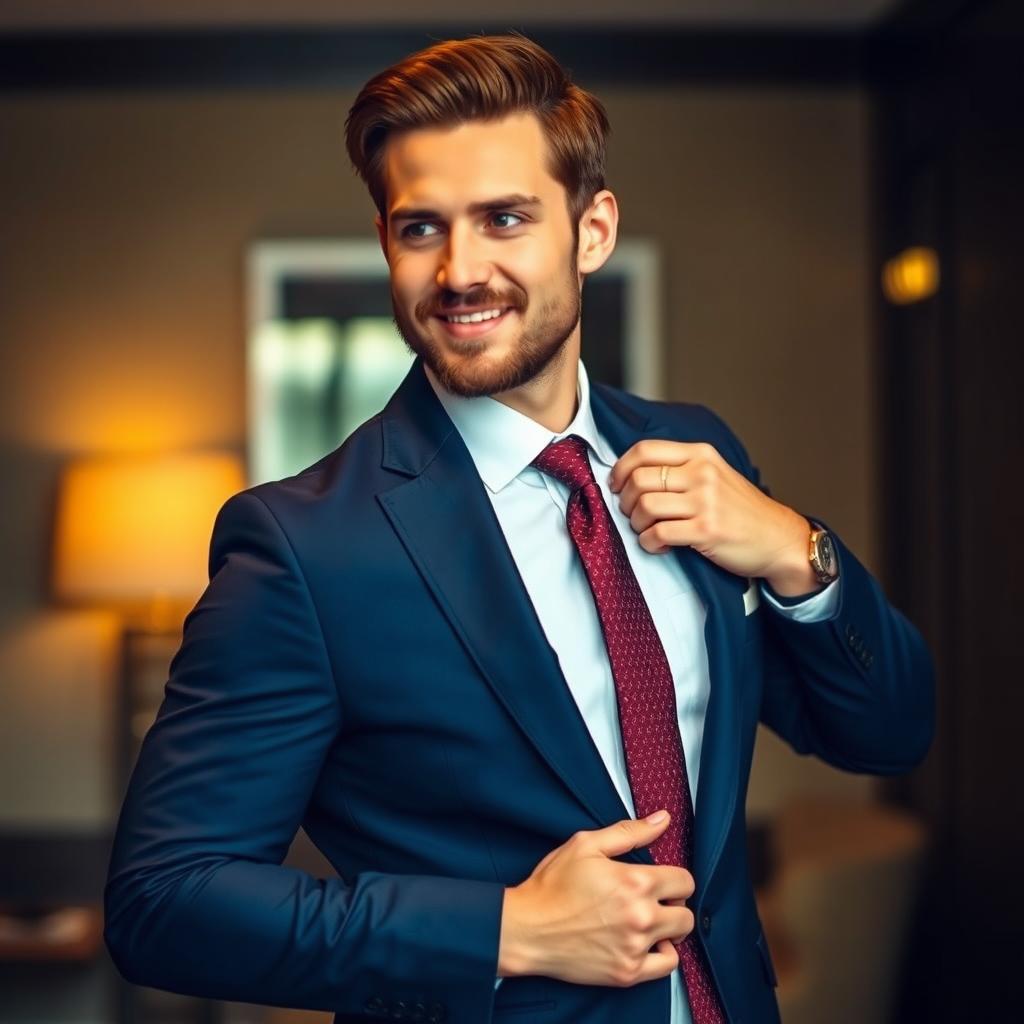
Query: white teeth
{"x": 474, "y": 318}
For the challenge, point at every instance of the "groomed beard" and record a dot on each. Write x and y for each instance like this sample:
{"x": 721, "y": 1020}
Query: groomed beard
{"x": 543, "y": 337}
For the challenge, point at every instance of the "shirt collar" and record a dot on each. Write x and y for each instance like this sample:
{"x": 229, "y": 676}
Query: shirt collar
{"x": 503, "y": 442}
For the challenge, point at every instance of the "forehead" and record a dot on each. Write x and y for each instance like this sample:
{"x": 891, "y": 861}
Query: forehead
{"x": 470, "y": 162}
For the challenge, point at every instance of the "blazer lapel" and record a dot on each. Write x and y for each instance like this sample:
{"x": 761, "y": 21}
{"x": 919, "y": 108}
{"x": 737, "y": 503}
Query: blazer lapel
{"x": 722, "y": 594}
{"x": 447, "y": 525}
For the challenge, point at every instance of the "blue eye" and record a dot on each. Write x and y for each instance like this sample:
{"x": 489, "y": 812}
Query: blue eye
{"x": 514, "y": 216}
{"x": 413, "y": 230}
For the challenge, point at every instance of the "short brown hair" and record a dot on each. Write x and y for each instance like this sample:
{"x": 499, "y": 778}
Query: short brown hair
{"x": 477, "y": 79}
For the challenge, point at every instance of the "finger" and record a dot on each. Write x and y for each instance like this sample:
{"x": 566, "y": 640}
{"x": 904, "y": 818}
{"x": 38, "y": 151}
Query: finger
{"x": 660, "y": 963}
{"x": 666, "y": 534}
{"x": 670, "y": 882}
{"x": 647, "y": 480}
{"x": 625, "y": 835}
{"x": 656, "y": 505}
{"x": 652, "y": 452}
{"x": 673, "y": 923}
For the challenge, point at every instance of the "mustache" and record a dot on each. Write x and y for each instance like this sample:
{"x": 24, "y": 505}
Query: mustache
{"x": 438, "y": 305}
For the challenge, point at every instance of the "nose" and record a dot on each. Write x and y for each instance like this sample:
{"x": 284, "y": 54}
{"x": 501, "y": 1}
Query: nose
{"x": 464, "y": 265}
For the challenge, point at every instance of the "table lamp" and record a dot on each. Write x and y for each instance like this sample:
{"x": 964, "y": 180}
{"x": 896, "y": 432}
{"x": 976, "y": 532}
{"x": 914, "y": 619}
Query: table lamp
{"x": 132, "y": 534}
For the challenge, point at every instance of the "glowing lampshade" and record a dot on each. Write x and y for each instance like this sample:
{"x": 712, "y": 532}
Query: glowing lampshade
{"x": 134, "y": 532}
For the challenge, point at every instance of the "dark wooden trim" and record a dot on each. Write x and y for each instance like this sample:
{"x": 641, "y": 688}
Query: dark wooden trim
{"x": 928, "y": 15}
{"x": 283, "y": 57}
{"x": 345, "y": 58}
{"x": 949, "y": 153}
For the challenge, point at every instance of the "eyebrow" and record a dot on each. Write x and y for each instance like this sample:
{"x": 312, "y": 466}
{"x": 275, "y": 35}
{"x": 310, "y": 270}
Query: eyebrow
{"x": 499, "y": 203}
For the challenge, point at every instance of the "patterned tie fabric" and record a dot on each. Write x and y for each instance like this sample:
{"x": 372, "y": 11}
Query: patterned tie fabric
{"x": 655, "y": 761}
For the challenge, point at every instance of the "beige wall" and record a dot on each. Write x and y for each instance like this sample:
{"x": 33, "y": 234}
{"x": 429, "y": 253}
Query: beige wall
{"x": 125, "y": 219}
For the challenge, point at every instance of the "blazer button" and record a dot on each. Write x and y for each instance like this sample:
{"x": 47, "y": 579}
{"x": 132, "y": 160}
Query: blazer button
{"x": 374, "y": 1005}
{"x": 705, "y": 923}
{"x": 419, "y": 1012}
{"x": 398, "y": 1010}
{"x": 436, "y": 1013}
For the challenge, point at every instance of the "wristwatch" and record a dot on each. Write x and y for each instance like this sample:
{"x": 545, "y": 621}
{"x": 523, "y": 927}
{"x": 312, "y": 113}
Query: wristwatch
{"x": 822, "y": 554}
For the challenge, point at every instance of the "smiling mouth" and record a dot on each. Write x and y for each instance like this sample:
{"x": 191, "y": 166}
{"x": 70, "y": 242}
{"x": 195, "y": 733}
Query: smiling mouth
{"x": 474, "y": 324}
{"x": 475, "y": 317}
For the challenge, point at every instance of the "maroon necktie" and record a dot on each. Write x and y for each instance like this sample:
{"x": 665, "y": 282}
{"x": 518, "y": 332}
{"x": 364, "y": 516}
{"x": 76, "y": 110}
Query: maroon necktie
{"x": 643, "y": 685}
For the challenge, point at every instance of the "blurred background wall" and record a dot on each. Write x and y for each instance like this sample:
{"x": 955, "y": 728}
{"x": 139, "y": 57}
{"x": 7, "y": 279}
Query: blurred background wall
{"x": 774, "y": 151}
{"x": 124, "y": 313}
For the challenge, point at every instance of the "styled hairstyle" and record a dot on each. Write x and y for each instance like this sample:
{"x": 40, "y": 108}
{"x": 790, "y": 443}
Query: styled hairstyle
{"x": 478, "y": 79}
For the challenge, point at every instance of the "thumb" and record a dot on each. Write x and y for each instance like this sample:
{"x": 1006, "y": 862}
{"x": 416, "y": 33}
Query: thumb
{"x": 628, "y": 834}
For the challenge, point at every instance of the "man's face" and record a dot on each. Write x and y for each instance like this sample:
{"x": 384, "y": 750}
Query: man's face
{"x": 478, "y": 230}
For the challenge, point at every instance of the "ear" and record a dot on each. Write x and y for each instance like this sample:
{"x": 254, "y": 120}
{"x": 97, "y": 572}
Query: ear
{"x": 382, "y": 235}
{"x": 598, "y": 228}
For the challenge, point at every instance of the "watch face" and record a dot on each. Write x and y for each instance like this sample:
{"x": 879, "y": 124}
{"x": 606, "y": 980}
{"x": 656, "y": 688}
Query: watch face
{"x": 827, "y": 554}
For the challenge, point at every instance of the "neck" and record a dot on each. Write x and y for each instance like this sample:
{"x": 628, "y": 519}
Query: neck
{"x": 550, "y": 397}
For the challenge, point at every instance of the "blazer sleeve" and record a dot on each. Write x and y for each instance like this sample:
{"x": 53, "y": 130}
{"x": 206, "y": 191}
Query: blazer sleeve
{"x": 856, "y": 689}
{"x": 197, "y": 899}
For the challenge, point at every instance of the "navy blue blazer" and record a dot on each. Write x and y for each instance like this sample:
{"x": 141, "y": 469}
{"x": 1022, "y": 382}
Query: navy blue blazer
{"x": 366, "y": 663}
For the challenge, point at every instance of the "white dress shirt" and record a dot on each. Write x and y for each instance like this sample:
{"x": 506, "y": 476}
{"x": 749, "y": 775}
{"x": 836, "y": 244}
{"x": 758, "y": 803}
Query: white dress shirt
{"x": 530, "y": 508}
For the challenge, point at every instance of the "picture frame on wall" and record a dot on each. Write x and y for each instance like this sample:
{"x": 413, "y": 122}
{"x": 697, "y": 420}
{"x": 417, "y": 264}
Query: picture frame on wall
{"x": 323, "y": 353}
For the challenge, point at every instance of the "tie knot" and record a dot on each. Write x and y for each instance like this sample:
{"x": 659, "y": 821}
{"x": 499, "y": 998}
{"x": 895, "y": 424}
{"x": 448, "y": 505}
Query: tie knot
{"x": 566, "y": 460}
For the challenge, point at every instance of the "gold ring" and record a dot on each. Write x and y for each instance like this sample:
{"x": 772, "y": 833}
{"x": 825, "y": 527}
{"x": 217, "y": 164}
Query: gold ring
{"x": 664, "y": 478}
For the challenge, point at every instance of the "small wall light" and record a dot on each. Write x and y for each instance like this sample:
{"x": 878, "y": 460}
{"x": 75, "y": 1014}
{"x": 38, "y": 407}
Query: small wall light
{"x": 911, "y": 276}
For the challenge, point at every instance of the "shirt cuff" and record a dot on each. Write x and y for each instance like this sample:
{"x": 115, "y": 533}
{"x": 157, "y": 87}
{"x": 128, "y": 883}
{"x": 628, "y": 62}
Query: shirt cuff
{"x": 816, "y": 607}
{"x": 497, "y": 982}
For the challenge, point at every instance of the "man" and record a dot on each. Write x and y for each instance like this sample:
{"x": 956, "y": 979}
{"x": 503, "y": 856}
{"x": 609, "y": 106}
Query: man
{"x": 503, "y": 653}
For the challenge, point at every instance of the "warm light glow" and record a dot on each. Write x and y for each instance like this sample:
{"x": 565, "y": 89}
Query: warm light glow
{"x": 133, "y": 531}
{"x": 911, "y": 276}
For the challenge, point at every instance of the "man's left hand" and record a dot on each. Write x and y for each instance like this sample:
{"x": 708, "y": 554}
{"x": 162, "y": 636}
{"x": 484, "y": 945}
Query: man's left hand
{"x": 703, "y": 503}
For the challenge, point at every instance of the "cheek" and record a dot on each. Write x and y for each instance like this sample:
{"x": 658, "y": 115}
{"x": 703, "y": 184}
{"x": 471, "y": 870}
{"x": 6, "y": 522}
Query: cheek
{"x": 411, "y": 276}
{"x": 531, "y": 265}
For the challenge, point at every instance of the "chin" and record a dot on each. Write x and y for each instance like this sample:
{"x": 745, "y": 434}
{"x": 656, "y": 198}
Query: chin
{"x": 494, "y": 363}
{"x": 477, "y": 379}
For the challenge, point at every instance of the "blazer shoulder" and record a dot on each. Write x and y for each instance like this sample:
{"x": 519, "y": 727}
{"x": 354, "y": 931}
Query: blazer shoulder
{"x": 689, "y": 420}
{"x": 316, "y": 496}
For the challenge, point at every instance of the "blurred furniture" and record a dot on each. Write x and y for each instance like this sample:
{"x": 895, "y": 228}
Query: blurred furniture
{"x": 838, "y": 909}
{"x": 52, "y": 963}
{"x": 57, "y": 933}
{"x": 132, "y": 535}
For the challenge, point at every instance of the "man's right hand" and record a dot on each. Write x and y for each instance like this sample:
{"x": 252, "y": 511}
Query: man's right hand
{"x": 585, "y": 918}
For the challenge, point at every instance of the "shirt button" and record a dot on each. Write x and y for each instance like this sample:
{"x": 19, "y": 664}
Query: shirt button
{"x": 705, "y": 922}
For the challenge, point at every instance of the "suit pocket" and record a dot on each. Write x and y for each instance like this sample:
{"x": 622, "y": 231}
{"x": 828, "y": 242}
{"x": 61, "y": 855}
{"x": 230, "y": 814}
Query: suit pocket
{"x": 766, "y": 960}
